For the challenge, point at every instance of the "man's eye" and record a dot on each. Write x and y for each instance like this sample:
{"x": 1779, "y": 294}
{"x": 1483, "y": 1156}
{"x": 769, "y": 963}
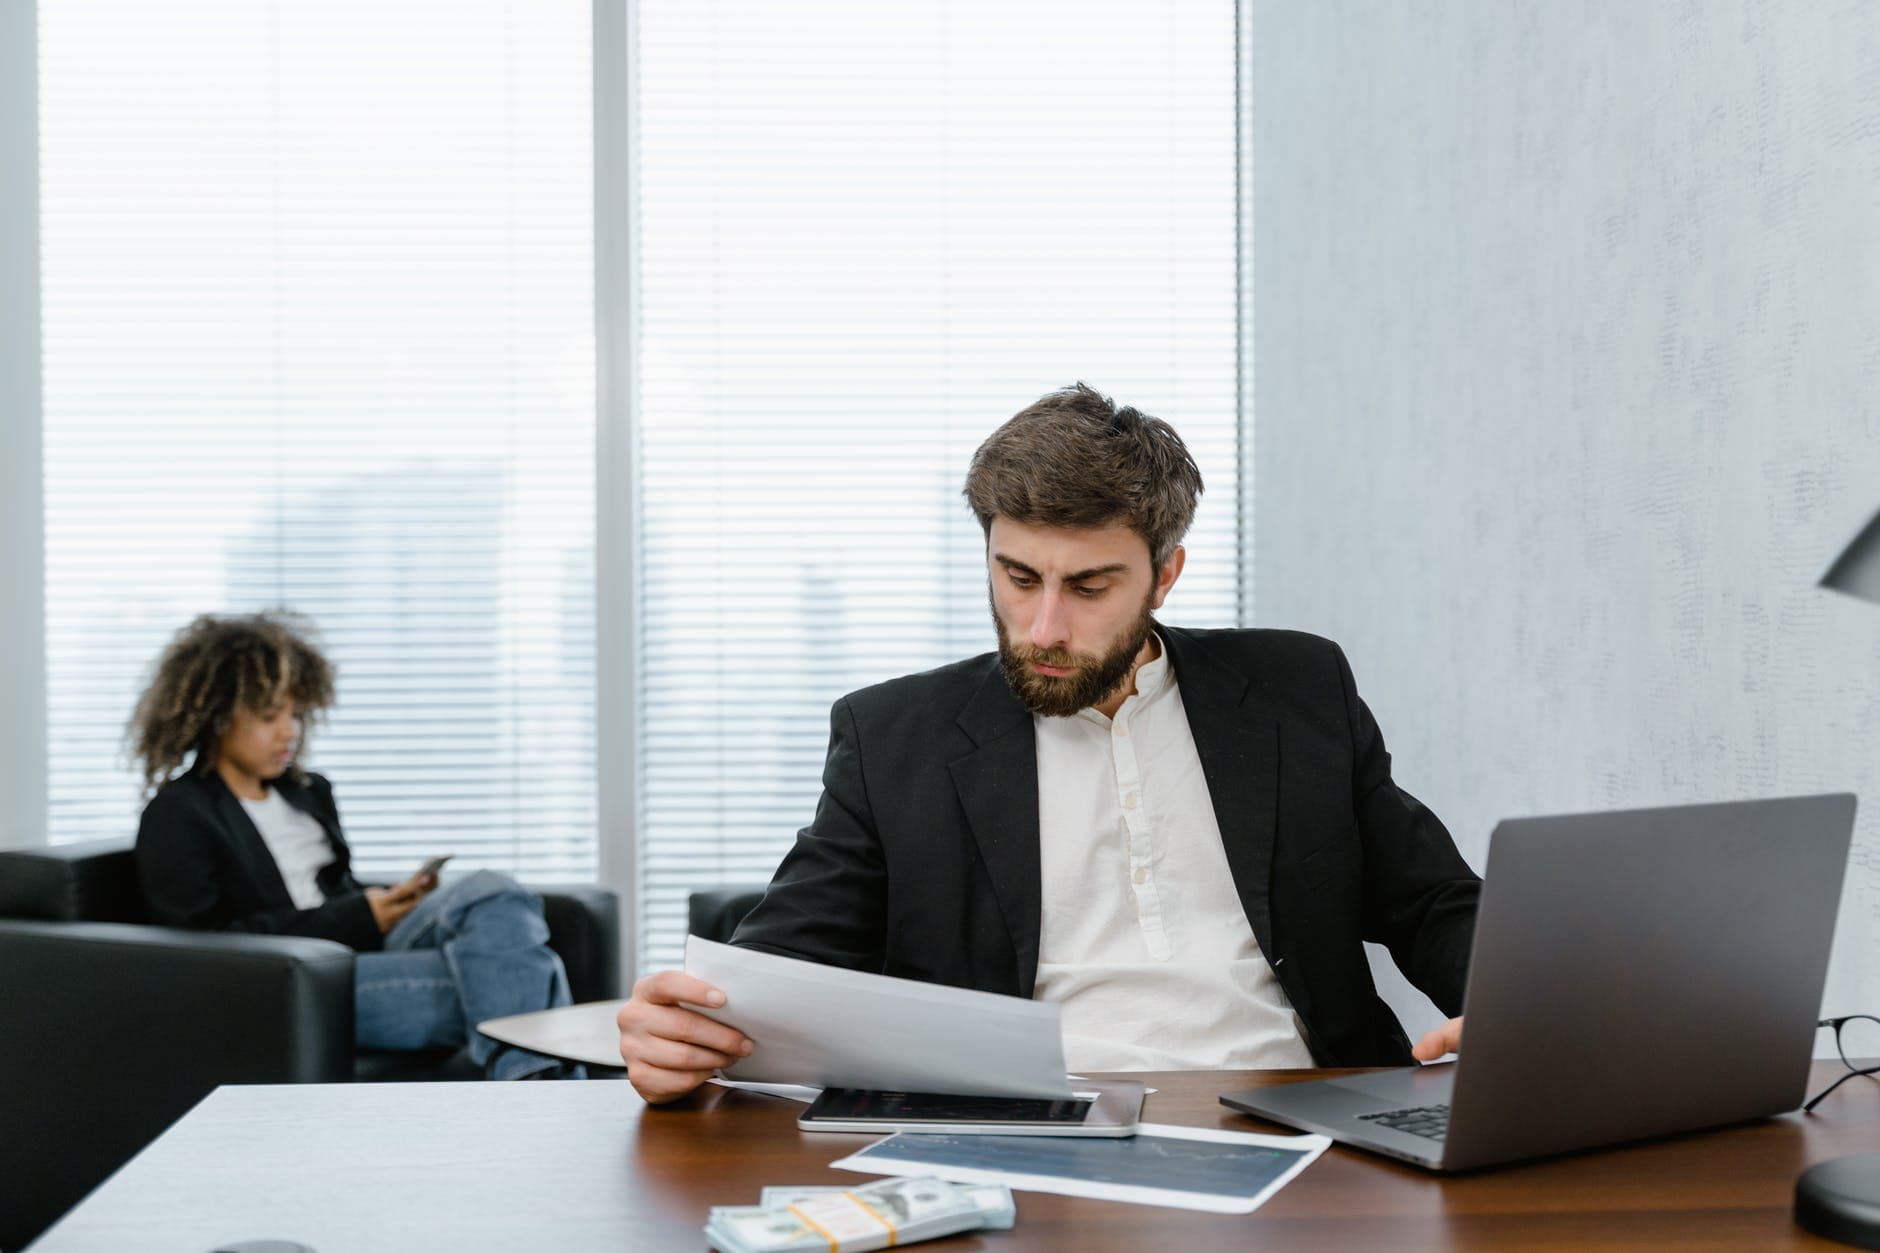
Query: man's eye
{"x": 1088, "y": 592}
{"x": 1019, "y": 580}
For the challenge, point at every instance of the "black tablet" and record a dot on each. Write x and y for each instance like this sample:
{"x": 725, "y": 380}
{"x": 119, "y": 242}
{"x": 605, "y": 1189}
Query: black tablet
{"x": 1095, "y": 1109}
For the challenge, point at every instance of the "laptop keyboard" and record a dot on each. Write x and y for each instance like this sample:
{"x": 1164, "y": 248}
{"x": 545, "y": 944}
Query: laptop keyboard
{"x": 1428, "y": 1121}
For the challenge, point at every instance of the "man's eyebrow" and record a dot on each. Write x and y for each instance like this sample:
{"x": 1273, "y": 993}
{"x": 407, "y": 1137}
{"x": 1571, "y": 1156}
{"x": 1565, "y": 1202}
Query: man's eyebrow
{"x": 1010, "y": 563}
{"x": 1013, "y": 564}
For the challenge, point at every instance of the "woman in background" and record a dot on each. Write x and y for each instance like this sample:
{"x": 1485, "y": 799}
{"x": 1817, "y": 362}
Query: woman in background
{"x": 238, "y": 838}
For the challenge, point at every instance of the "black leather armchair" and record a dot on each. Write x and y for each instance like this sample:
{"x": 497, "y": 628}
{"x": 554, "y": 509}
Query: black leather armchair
{"x": 716, "y": 912}
{"x": 111, "y": 1029}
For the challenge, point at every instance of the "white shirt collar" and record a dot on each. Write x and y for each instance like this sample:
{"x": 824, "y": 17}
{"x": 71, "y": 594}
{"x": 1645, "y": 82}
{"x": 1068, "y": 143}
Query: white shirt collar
{"x": 1152, "y": 679}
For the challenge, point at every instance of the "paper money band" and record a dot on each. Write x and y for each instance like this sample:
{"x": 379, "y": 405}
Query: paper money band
{"x": 835, "y": 1221}
{"x": 894, "y": 1234}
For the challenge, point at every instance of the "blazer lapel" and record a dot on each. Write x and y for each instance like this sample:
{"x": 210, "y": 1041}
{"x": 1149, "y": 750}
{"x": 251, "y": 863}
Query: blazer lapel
{"x": 997, "y": 783}
{"x": 251, "y": 851}
{"x": 297, "y": 795}
{"x": 1238, "y": 744}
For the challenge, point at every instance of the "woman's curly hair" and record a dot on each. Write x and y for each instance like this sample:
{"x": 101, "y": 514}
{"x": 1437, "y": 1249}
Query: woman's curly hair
{"x": 215, "y": 666}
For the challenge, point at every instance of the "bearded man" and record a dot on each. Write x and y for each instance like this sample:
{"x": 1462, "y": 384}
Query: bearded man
{"x": 1182, "y": 837}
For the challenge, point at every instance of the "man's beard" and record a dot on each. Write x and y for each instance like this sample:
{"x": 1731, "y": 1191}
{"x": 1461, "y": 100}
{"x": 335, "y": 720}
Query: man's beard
{"x": 1092, "y": 677}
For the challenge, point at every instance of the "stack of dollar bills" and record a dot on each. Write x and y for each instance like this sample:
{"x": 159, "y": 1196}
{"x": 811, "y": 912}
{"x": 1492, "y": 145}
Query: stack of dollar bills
{"x": 873, "y": 1216}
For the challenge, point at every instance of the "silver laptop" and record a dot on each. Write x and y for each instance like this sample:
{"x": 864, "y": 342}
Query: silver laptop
{"x": 1634, "y": 974}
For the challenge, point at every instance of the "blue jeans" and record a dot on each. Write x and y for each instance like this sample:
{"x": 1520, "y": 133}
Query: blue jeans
{"x": 476, "y": 948}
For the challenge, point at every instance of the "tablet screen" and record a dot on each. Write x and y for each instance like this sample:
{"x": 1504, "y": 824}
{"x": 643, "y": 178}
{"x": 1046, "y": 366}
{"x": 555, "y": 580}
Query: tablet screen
{"x": 858, "y": 1105}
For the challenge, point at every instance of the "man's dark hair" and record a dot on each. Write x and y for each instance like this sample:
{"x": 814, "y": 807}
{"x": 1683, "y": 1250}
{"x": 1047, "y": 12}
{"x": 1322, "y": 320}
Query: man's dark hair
{"x": 213, "y": 667}
{"x": 1075, "y": 459}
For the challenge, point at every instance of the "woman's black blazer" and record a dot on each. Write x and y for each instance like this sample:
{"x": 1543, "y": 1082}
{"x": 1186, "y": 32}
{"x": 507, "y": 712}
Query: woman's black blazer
{"x": 204, "y": 866}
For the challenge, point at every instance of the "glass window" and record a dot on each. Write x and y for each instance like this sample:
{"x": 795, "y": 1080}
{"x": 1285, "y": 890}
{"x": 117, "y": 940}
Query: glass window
{"x": 868, "y": 234}
{"x": 318, "y": 334}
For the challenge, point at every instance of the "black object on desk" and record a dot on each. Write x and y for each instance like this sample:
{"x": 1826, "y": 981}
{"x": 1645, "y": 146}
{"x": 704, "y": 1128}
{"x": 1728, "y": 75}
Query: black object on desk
{"x": 1840, "y": 1200}
{"x": 1111, "y": 1109}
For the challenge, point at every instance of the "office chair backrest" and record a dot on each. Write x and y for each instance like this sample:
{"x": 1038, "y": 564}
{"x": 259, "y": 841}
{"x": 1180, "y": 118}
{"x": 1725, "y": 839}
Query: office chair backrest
{"x": 715, "y": 913}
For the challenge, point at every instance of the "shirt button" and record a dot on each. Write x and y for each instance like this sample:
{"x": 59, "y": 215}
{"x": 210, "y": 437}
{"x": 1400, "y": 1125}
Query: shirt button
{"x": 1121, "y": 730}
{"x": 1142, "y": 874}
{"x": 1129, "y": 801}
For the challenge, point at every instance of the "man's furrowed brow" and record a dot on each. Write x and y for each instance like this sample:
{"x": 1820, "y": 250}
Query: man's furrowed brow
{"x": 1012, "y": 563}
{"x": 1094, "y": 572}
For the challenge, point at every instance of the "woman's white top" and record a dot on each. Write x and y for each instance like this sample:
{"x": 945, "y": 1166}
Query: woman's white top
{"x": 298, "y": 843}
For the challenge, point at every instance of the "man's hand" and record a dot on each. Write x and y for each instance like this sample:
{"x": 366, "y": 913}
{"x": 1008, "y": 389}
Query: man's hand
{"x": 669, "y": 1049}
{"x": 389, "y": 905}
{"x": 1445, "y": 1039}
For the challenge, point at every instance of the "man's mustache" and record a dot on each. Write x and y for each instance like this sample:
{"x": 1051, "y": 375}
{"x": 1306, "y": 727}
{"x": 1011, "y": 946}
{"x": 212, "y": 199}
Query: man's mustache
{"x": 1056, "y": 658}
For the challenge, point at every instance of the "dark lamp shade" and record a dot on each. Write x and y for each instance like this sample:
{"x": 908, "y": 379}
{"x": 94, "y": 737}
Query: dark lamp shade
{"x": 1857, "y": 570}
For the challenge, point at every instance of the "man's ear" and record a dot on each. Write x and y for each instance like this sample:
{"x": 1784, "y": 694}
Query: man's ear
{"x": 1166, "y": 576}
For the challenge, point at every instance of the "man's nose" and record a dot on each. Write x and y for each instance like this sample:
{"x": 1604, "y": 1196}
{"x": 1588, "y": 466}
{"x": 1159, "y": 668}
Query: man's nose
{"x": 1049, "y": 628}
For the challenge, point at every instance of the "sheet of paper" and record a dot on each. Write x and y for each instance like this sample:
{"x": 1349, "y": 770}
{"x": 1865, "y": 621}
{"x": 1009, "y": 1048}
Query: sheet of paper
{"x": 580, "y": 1033}
{"x": 788, "y": 1091}
{"x": 1146, "y": 1089}
{"x": 1223, "y": 1172}
{"x": 833, "y": 1028}
{"x": 799, "y": 1092}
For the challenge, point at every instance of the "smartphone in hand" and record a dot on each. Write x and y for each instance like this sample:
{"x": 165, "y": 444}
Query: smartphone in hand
{"x": 430, "y": 868}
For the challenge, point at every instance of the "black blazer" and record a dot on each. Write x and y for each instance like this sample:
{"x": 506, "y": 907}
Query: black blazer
{"x": 203, "y": 865}
{"x": 922, "y": 859}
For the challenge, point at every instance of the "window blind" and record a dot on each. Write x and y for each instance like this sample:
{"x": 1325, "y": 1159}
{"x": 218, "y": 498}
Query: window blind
{"x": 318, "y": 334}
{"x": 868, "y": 234}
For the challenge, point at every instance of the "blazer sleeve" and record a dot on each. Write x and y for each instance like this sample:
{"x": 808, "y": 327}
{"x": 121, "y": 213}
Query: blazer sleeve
{"x": 1419, "y": 894}
{"x": 184, "y": 884}
{"x": 827, "y": 901}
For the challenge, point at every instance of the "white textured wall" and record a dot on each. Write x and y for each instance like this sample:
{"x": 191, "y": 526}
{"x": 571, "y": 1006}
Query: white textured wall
{"x": 1567, "y": 388}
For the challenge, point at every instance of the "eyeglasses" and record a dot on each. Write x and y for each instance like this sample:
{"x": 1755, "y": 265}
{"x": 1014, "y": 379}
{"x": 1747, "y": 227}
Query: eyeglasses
{"x": 1840, "y": 1046}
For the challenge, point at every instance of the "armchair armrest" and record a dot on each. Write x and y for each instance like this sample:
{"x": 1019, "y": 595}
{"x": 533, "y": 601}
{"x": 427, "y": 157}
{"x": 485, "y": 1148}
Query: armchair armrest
{"x": 109, "y": 1032}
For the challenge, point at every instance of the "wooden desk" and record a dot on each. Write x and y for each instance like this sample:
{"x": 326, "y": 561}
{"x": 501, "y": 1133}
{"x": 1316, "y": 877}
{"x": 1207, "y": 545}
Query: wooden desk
{"x": 571, "y": 1166}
